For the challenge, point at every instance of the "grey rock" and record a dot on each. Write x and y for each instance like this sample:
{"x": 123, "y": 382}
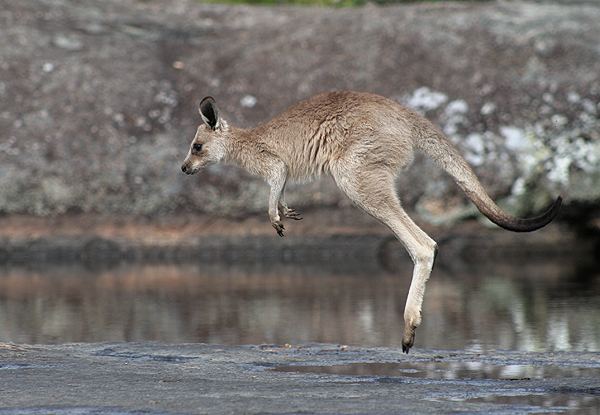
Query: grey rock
{"x": 159, "y": 378}
{"x": 98, "y": 99}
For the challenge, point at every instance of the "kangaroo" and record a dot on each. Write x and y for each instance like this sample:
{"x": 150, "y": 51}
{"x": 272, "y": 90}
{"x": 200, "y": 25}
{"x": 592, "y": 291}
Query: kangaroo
{"x": 362, "y": 140}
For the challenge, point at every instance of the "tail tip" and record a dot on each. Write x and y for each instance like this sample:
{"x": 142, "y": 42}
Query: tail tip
{"x": 556, "y": 206}
{"x": 532, "y": 224}
{"x": 547, "y": 217}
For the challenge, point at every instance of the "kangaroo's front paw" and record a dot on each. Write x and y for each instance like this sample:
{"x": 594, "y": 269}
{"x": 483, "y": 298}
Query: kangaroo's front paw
{"x": 278, "y": 227}
{"x": 292, "y": 214}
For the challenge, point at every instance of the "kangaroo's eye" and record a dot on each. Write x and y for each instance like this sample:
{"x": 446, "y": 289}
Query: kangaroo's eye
{"x": 197, "y": 147}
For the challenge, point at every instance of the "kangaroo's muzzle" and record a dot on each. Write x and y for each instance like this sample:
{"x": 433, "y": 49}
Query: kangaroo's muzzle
{"x": 187, "y": 169}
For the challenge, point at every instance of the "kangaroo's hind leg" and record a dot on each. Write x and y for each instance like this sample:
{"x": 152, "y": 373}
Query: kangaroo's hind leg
{"x": 372, "y": 189}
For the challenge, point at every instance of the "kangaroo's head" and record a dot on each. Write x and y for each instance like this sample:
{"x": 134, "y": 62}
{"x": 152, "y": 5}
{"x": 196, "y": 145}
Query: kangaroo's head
{"x": 209, "y": 144}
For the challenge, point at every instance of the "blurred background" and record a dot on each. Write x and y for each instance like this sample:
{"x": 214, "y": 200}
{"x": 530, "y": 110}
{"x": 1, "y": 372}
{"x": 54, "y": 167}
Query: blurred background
{"x": 102, "y": 238}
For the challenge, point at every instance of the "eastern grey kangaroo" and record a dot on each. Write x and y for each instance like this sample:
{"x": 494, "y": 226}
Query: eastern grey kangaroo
{"x": 362, "y": 140}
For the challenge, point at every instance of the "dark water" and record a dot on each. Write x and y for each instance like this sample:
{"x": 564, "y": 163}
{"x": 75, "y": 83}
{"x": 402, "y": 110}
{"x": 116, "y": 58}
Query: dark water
{"x": 532, "y": 304}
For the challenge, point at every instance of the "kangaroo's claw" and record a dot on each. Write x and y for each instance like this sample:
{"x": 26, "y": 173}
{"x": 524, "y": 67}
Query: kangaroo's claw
{"x": 409, "y": 338}
{"x": 293, "y": 214}
{"x": 278, "y": 227}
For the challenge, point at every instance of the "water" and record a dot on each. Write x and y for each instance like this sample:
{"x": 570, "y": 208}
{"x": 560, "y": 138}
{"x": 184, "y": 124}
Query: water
{"x": 449, "y": 370}
{"x": 562, "y": 399}
{"x": 534, "y": 304}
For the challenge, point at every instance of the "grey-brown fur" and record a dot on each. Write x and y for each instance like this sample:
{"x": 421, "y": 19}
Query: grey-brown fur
{"x": 362, "y": 140}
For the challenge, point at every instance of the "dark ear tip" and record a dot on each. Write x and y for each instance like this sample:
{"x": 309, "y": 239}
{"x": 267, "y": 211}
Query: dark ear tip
{"x": 209, "y": 112}
{"x": 206, "y": 101}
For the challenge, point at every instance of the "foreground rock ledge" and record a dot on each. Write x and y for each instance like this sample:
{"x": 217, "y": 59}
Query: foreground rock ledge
{"x": 194, "y": 378}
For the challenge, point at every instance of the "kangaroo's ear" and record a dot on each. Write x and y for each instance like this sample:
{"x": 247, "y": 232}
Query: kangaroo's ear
{"x": 210, "y": 113}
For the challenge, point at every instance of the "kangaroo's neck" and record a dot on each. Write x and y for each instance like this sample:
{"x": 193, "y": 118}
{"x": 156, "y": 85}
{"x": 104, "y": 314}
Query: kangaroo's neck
{"x": 246, "y": 149}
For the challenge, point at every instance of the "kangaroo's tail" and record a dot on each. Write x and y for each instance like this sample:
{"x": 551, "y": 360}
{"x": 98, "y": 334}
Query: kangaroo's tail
{"x": 436, "y": 146}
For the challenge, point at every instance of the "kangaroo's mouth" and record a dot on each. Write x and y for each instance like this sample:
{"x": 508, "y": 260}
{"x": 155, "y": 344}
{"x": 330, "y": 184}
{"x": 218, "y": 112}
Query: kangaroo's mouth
{"x": 188, "y": 170}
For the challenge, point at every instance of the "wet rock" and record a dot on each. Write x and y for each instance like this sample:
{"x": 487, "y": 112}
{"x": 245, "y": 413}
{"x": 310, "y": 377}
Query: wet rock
{"x": 152, "y": 377}
{"x": 98, "y": 100}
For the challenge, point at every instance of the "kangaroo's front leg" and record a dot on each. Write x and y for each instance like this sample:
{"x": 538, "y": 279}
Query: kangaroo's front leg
{"x": 277, "y": 182}
{"x": 286, "y": 210}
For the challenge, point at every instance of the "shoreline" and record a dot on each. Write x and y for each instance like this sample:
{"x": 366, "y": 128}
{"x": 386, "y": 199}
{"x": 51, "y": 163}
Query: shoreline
{"x": 322, "y": 235}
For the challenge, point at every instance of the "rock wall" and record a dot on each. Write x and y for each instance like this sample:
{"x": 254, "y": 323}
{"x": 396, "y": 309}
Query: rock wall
{"x": 98, "y": 99}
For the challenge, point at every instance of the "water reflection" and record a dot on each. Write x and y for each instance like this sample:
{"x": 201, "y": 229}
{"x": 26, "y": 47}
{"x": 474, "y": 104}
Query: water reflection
{"x": 447, "y": 370}
{"x": 541, "y": 305}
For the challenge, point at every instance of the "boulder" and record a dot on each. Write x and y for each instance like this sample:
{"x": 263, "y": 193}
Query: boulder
{"x": 98, "y": 100}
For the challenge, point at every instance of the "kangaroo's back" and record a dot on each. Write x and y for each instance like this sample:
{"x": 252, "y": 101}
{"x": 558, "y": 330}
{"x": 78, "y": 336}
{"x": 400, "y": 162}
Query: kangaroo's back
{"x": 320, "y": 130}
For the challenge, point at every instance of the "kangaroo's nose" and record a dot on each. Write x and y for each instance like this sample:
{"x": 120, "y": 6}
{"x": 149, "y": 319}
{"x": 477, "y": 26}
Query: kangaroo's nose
{"x": 183, "y": 168}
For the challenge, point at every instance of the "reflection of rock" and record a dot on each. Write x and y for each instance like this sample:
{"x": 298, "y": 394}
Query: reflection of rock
{"x": 501, "y": 304}
{"x": 98, "y": 100}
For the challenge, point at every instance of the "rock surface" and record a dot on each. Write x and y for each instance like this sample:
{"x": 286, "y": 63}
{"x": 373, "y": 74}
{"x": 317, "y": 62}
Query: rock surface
{"x": 157, "y": 378}
{"x": 98, "y": 99}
